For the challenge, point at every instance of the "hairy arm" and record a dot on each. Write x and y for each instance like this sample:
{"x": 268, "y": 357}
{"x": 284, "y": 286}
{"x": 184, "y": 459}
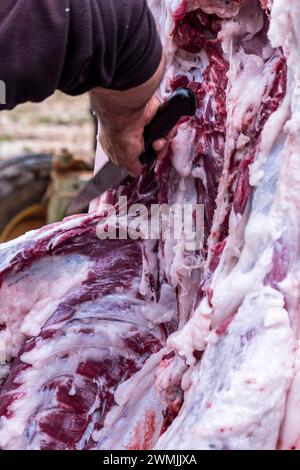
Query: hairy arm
{"x": 123, "y": 116}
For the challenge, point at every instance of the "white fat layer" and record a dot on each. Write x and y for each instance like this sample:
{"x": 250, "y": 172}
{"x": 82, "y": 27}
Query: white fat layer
{"x": 217, "y": 7}
{"x": 243, "y": 266}
{"x": 51, "y": 359}
{"x": 55, "y": 232}
{"x": 237, "y": 396}
{"x": 163, "y": 13}
{"x": 250, "y": 80}
{"x": 14, "y": 433}
{"x": 290, "y": 435}
{"x": 150, "y": 268}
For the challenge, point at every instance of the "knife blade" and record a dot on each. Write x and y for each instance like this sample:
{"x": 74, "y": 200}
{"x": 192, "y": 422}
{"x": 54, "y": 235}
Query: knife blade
{"x": 110, "y": 175}
{"x": 183, "y": 102}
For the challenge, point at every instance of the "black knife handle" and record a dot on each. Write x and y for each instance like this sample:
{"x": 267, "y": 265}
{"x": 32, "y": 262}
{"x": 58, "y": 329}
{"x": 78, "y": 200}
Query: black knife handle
{"x": 183, "y": 102}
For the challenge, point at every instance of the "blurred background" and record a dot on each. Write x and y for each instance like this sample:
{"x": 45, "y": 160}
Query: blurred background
{"x": 46, "y": 155}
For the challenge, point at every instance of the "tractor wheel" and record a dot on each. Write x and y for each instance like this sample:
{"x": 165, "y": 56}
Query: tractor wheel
{"x": 23, "y": 184}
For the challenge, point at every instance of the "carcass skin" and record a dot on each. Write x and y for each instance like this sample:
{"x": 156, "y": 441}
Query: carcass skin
{"x": 142, "y": 344}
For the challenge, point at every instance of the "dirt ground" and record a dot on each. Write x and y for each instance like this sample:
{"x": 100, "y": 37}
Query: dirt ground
{"x": 61, "y": 122}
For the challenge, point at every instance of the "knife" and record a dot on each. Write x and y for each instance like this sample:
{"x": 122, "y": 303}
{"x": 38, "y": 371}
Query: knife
{"x": 183, "y": 102}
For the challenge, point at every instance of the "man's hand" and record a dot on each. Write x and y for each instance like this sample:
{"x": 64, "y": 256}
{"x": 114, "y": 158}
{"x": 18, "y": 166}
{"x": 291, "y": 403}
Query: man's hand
{"x": 125, "y": 146}
{"x": 123, "y": 117}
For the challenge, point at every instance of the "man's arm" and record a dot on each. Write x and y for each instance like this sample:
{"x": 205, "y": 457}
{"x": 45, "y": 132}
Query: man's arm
{"x": 108, "y": 46}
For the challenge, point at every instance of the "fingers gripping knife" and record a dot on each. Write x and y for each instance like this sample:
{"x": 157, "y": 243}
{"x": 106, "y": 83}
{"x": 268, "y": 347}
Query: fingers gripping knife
{"x": 182, "y": 103}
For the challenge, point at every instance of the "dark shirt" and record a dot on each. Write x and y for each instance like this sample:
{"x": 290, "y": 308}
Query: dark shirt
{"x": 74, "y": 46}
